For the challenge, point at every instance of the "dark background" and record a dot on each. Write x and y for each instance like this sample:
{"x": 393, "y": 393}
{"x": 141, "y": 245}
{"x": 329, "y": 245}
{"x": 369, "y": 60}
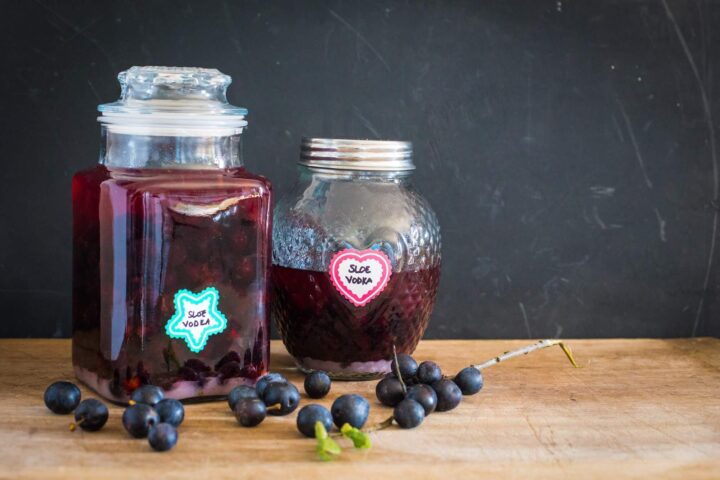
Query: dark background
{"x": 568, "y": 147}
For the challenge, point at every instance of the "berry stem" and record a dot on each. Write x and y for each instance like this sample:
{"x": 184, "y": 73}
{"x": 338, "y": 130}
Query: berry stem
{"x": 382, "y": 425}
{"x": 397, "y": 370}
{"x": 74, "y": 425}
{"x": 378, "y": 426}
{"x": 527, "y": 349}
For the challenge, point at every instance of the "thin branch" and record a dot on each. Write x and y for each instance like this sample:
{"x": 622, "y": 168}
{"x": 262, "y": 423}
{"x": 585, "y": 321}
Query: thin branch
{"x": 382, "y": 425}
{"x": 397, "y": 370}
{"x": 527, "y": 349}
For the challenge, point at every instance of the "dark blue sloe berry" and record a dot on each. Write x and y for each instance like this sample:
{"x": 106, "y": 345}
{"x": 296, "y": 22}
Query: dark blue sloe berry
{"x": 250, "y": 412}
{"x": 309, "y": 415}
{"x": 428, "y": 373}
{"x": 243, "y": 391}
{"x": 352, "y": 409}
{"x": 408, "y": 413}
{"x": 448, "y": 395}
{"x": 407, "y": 364}
{"x": 317, "y": 384}
{"x": 425, "y": 396}
{"x": 147, "y": 394}
{"x": 162, "y": 437}
{"x": 139, "y": 418}
{"x": 389, "y": 391}
{"x": 470, "y": 380}
{"x": 91, "y": 415}
{"x": 170, "y": 411}
{"x": 267, "y": 379}
{"x": 62, "y": 397}
{"x": 281, "y": 398}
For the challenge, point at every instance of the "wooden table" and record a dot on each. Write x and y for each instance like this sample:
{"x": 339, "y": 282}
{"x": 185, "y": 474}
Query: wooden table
{"x": 636, "y": 409}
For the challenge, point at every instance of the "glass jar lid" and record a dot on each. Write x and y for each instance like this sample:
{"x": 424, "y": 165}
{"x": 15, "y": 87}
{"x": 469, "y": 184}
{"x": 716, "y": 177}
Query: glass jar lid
{"x": 173, "y": 101}
{"x": 346, "y": 154}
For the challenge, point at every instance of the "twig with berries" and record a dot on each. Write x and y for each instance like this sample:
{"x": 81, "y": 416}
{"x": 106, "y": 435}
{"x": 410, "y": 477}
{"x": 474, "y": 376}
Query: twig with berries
{"x": 434, "y": 391}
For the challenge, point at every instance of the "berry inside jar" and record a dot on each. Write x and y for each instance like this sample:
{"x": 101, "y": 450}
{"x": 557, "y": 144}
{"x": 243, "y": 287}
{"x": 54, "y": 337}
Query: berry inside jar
{"x": 325, "y": 331}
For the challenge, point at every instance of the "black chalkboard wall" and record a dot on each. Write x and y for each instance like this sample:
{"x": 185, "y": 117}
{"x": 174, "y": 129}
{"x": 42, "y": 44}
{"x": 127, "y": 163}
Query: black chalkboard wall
{"x": 568, "y": 147}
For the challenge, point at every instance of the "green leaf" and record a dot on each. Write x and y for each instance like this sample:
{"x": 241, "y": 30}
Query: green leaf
{"x": 359, "y": 438}
{"x": 326, "y": 447}
{"x": 320, "y": 431}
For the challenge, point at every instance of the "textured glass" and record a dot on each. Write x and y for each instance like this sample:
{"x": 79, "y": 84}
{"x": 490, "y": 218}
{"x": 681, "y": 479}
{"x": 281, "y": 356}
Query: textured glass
{"x": 330, "y": 211}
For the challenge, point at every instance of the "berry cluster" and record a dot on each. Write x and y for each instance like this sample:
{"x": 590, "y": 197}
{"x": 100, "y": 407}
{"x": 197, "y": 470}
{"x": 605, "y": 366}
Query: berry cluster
{"x": 273, "y": 394}
{"x": 64, "y": 397}
{"x": 415, "y": 391}
{"x": 152, "y": 415}
{"x": 149, "y": 414}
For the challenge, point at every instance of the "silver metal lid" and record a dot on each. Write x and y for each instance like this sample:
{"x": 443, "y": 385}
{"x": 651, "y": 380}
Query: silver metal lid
{"x": 345, "y": 154}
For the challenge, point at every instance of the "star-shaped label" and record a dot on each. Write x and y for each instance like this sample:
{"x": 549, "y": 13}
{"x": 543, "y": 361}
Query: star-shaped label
{"x": 196, "y": 318}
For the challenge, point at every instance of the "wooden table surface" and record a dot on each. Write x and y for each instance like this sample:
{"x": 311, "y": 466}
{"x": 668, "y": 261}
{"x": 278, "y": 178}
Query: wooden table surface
{"x": 636, "y": 409}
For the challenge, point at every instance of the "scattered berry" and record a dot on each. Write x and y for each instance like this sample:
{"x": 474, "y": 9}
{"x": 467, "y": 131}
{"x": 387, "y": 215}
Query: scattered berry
{"x": 138, "y": 419}
{"x": 352, "y": 409}
{"x": 284, "y": 395}
{"x": 470, "y": 380}
{"x": 425, "y": 396}
{"x": 237, "y": 393}
{"x": 62, "y": 397}
{"x": 309, "y": 415}
{"x": 317, "y": 384}
{"x": 428, "y": 373}
{"x": 250, "y": 412}
{"x": 147, "y": 394}
{"x": 409, "y": 413}
{"x": 90, "y": 415}
{"x": 162, "y": 437}
{"x": 389, "y": 391}
{"x": 170, "y": 411}
{"x": 265, "y": 380}
{"x": 448, "y": 395}
{"x": 408, "y": 366}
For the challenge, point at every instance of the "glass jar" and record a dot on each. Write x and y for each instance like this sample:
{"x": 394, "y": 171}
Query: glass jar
{"x": 171, "y": 245}
{"x": 356, "y": 258}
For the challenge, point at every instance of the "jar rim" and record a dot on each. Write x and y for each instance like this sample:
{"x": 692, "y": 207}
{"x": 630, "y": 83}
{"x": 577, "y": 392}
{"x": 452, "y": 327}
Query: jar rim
{"x": 356, "y": 154}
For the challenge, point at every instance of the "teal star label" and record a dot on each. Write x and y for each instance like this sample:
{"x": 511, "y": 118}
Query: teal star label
{"x": 196, "y": 318}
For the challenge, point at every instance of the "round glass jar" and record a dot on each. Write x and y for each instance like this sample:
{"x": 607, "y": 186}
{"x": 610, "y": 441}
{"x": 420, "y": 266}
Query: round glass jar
{"x": 171, "y": 243}
{"x": 356, "y": 258}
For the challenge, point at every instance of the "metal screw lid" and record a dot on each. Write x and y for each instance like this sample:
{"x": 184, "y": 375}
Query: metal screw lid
{"x": 347, "y": 154}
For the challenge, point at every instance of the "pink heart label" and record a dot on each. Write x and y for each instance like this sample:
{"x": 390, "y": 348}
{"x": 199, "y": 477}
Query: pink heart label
{"x": 360, "y": 275}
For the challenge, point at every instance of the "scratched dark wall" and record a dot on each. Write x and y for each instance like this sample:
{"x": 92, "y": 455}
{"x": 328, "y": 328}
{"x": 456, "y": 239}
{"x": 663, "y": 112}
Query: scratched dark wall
{"x": 568, "y": 147}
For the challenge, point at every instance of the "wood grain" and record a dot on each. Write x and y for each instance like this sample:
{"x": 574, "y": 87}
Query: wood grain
{"x": 637, "y": 409}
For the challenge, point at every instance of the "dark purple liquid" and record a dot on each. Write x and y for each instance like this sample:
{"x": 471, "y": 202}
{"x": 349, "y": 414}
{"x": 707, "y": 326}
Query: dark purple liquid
{"x": 317, "y": 322}
{"x": 142, "y": 235}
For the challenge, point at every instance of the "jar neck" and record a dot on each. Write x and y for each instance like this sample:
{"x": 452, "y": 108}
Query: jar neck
{"x": 338, "y": 175}
{"x": 152, "y": 151}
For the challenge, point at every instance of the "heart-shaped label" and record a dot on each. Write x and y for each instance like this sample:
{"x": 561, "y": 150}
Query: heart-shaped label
{"x": 360, "y": 275}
